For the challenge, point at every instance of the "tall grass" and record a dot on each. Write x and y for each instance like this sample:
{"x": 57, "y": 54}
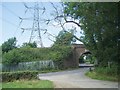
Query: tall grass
{"x": 104, "y": 73}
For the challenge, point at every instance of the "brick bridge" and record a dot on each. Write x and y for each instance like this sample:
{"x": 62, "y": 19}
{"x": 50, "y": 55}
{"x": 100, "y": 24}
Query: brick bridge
{"x": 78, "y": 50}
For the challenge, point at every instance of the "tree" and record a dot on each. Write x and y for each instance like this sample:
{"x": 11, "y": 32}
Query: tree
{"x": 12, "y": 57}
{"x": 32, "y": 45}
{"x": 64, "y": 38}
{"x": 99, "y": 21}
{"x": 9, "y": 45}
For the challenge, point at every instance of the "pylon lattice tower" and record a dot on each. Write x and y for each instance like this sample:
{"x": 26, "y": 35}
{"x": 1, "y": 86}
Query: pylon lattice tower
{"x": 36, "y": 25}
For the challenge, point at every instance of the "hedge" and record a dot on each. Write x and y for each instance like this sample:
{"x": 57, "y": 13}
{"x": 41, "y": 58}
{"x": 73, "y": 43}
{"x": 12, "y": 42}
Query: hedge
{"x": 36, "y": 54}
{"x": 11, "y": 76}
{"x": 25, "y": 55}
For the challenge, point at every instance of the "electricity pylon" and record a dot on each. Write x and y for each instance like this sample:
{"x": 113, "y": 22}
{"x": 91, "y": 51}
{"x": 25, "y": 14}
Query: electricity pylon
{"x": 36, "y": 25}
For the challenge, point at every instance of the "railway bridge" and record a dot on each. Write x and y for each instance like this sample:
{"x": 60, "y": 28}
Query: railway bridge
{"x": 73, "y": 60}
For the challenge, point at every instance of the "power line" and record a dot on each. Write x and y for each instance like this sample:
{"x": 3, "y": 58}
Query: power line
{"x": 8, "y": 22}
{"x": 11, "y": 11}
{"x": 21, "y": 19}
{"x": 12, "y": 25}
{"x": 14, "y": 15}
{"x": 36, "y": 21}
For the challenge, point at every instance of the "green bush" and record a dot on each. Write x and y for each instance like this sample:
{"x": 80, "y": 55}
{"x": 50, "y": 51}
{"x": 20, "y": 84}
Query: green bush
{"x": 105, "y": 73}
{"x": 113, "y": 71}
{"x": 95, "y": 75}
{"x": 11, "y": 76}
{"x": 59, "y": 54}
{"x": 81, "y": 59}
{"x": 12, "y": 57}
{"x": 27, "y": 54}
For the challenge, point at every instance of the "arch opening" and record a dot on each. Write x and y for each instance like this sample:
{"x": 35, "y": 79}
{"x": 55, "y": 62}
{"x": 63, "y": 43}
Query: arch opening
{"x": 86, "y": 59}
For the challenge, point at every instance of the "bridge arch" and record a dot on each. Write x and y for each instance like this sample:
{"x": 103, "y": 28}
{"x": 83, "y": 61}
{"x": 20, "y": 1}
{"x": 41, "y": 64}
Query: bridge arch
{"x": 73, "y": 59}
{"x": 79, "y": 50}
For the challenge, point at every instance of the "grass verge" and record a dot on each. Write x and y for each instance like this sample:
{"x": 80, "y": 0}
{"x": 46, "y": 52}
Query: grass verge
{"x": 28, "y": 84}
{"x": 95, "y": 75}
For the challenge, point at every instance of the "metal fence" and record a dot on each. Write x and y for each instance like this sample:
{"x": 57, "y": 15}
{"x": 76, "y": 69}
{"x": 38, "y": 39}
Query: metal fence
{"x": 36, "y": 65}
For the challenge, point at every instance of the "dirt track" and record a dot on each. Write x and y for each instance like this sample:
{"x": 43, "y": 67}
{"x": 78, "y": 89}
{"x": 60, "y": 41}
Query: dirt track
{"x": 76, "y": 79}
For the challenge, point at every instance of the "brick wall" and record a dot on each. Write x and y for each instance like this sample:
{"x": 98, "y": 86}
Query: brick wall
{"x": 73, "y": 60}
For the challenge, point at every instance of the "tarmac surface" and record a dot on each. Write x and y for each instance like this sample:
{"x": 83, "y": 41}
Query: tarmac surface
{"x": 76, "y": 79}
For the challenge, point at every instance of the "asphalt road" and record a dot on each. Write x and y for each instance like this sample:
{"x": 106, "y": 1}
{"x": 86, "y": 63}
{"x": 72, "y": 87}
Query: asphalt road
{"x": 76, "y": 79}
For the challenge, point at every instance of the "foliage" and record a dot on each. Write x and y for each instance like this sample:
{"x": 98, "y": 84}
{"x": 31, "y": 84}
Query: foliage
{"x": 9, "y": 45}
{"x": 95, "y": 75}
{"x": 99, "y": 21}
{"x": 90, "y": 58}
{"x": 64, "y": 38}
{"x": 104, "y": 74}
{"x": 12, "y": 57}
{"x": 81, "y": 59}
{"x": 61, "y": 48}
{"x": 32, "y": 45}
{"x": 60, "y": 53}
{"x": 27, "y": 54}
{"x": 113, "y": 71}
{"x": 29, "y": 84}
{"x": 11, "y": 76}
{"x": 0, "y": 54}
